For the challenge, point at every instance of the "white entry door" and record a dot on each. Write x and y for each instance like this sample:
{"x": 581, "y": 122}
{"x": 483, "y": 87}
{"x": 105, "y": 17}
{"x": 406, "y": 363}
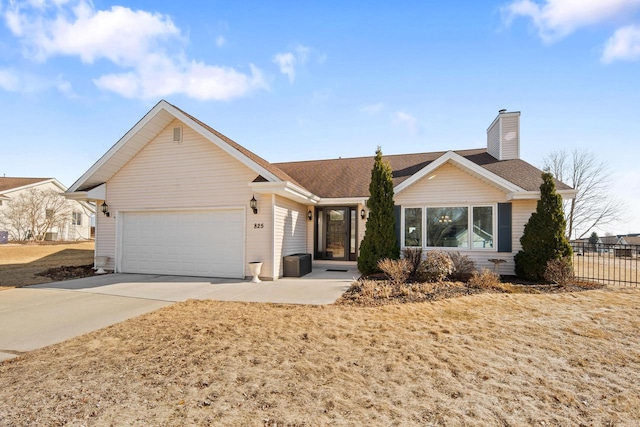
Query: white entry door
{"x": 191, "y": 243}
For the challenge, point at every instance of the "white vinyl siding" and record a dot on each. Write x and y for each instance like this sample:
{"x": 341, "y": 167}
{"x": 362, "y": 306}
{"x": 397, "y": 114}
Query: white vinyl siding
{"x": 510, "y": 137}
{"x": 449, "y": 186}
{"x": 493, "y": 139}
{"x": 289, "y": 231}
{"x": 193, "y": 174}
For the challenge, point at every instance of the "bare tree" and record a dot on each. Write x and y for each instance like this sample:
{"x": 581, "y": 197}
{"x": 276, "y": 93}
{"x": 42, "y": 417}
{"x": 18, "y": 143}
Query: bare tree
{"x": 35, "y": 212}
{"x": 593, "y": 205}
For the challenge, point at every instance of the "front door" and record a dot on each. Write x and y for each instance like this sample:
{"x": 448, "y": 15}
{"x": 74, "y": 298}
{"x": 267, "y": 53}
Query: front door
{"x": 336, "y": 233}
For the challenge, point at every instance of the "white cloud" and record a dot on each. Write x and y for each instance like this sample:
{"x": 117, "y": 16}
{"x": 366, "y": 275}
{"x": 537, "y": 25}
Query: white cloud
{"x": 194, "y": 79}
{"x": 220, "y": 41}
{"x": 9, "y": 81}
{"x": 372, "y": 109}
{"x": 288, "y": 61}
{"x": 12, "y": 80}
{"x": 405, "y": 119}
{"x": 623, "y": 45}
{"x": 146, "y": 46}
{"x": 555, "y": 19}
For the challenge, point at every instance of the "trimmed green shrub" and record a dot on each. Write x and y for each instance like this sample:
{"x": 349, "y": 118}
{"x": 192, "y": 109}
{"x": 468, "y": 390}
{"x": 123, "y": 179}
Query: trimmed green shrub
{"x": 379, "y": 238}
{"x": 543, "y": 238}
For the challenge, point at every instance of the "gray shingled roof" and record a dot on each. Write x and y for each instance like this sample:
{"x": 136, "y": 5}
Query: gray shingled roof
{"x": 350, "y": 177}
{"x": 9, "y": 183}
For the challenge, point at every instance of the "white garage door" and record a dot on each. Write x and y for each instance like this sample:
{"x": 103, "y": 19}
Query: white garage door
{"x": 198, "y": 243}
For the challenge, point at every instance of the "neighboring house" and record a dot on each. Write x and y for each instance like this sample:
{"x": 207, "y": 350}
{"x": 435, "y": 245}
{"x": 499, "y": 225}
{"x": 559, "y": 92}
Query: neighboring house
{"x": 78, "y": 225}
{"x": 179, "y": 200}
{"x": 629, "y": 239}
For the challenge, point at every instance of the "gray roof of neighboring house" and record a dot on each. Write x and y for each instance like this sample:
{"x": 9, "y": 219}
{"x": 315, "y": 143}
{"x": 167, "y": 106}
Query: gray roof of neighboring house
{"x": 609, "y": 240}
{"x": 350, "y": 177}
{"x": 631, "y": 240}
{"x": 9, "y": 183}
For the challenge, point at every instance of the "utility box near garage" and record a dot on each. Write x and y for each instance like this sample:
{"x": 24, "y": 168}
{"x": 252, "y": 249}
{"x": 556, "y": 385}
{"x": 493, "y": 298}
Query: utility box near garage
{"x": 296, "y": 265}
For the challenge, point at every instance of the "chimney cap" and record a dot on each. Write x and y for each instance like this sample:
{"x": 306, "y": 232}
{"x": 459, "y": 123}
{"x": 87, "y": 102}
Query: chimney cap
{"x": 503, "y": 110}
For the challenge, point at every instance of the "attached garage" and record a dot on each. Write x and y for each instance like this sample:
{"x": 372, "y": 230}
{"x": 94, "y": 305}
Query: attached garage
{"x": 206, "y": 243}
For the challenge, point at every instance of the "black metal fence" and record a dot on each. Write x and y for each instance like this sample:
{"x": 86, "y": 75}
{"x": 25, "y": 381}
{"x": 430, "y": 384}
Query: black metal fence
{"x": 606, "y": 263}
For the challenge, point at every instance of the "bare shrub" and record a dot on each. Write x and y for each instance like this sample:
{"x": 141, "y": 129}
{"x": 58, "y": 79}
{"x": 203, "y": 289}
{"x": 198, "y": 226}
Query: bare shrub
{"x": 485, "y": 279}
{"x": 414, "y": 256}
{"x": 436, "y": 266}
{"x": 463, "y": 266}
{"x": 397, "y": 270}
{"x": 559, "y": 271}
{"x": 373, "y": 289}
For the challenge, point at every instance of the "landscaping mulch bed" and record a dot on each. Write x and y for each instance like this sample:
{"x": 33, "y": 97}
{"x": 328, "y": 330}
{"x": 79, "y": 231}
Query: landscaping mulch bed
{"x": 68, "y": 272}
{"x": 377, "y": 292}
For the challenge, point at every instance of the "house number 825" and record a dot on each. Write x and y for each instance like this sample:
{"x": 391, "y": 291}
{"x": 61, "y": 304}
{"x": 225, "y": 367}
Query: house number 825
{"x": 258, "y": 225}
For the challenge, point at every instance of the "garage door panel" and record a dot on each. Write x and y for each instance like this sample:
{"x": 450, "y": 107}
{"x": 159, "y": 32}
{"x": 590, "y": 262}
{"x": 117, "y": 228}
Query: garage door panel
{"x": 203, "y": 243}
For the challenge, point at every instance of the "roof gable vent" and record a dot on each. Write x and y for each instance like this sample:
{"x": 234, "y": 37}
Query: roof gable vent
{"x": 177, "y": 134}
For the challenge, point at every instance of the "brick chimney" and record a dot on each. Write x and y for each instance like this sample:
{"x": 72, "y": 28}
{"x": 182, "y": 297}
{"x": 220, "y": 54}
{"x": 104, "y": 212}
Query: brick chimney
{"x": 503, "y": 136}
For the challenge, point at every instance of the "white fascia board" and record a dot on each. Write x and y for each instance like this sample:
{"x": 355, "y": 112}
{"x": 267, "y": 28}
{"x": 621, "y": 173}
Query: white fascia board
{"x": 451, "y": 156}
{"x": 77, "y": 195}
{"x": 97, "y": 193}
{"x": 340, "y": 201}
{"x": 221, "y": 144}
{"x": 285, "y": 189}
{"x": 535, "y": 195}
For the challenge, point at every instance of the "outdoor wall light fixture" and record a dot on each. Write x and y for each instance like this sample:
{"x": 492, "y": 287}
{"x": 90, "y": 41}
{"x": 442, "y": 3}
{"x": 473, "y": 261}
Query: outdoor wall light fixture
{"x": 253, "y": 203}
{"x": 105, "y": 208}
{"x": 362, "y": 214}
{"x": 310, "y": 215}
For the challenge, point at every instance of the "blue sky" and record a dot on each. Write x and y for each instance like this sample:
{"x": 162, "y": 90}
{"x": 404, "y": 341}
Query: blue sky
{"x": 307, "y": 80}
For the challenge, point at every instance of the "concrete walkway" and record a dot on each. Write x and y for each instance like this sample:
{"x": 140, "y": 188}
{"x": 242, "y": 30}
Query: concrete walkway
{"x": 36, "y": 316}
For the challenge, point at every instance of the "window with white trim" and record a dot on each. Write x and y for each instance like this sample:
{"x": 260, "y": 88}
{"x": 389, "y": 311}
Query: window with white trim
{"x": 462, "y": 227}
{"x": 76, "y": 218}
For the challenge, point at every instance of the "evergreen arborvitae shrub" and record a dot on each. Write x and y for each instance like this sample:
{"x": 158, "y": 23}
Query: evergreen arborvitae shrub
{"x": 379, "y": 240}
{"x": 543, "y": 239}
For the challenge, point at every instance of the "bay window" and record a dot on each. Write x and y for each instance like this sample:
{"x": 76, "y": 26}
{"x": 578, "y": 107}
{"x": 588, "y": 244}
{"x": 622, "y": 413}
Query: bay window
{"x": 463, "y": 227}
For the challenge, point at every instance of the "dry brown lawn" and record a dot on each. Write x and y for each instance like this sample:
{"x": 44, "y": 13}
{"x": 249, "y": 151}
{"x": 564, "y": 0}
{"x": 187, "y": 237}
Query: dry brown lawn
{"x": 20, "y": 264}
{"x": 487, "y": 359}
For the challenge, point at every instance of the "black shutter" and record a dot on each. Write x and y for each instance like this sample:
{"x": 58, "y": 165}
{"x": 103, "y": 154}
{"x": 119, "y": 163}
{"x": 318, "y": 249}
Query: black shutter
{"x": 504, "y": 227}
{"x": 397, "y": 210}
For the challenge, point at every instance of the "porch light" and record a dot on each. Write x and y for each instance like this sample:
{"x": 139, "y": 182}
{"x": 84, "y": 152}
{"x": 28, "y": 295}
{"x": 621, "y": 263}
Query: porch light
{"x": 362, "y": 213}
{"x": 310, "y": 215}
{"x": 105, "y": 208}
{"x": 253, "y": 203}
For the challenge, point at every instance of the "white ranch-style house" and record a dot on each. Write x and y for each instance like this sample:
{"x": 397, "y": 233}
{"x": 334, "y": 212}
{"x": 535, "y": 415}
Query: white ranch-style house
{"x": 180, "y": 198}
{"x": 77, "y": 224}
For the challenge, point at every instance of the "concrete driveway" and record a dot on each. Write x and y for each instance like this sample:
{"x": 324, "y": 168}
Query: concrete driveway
{"x": 36, "y": 316}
